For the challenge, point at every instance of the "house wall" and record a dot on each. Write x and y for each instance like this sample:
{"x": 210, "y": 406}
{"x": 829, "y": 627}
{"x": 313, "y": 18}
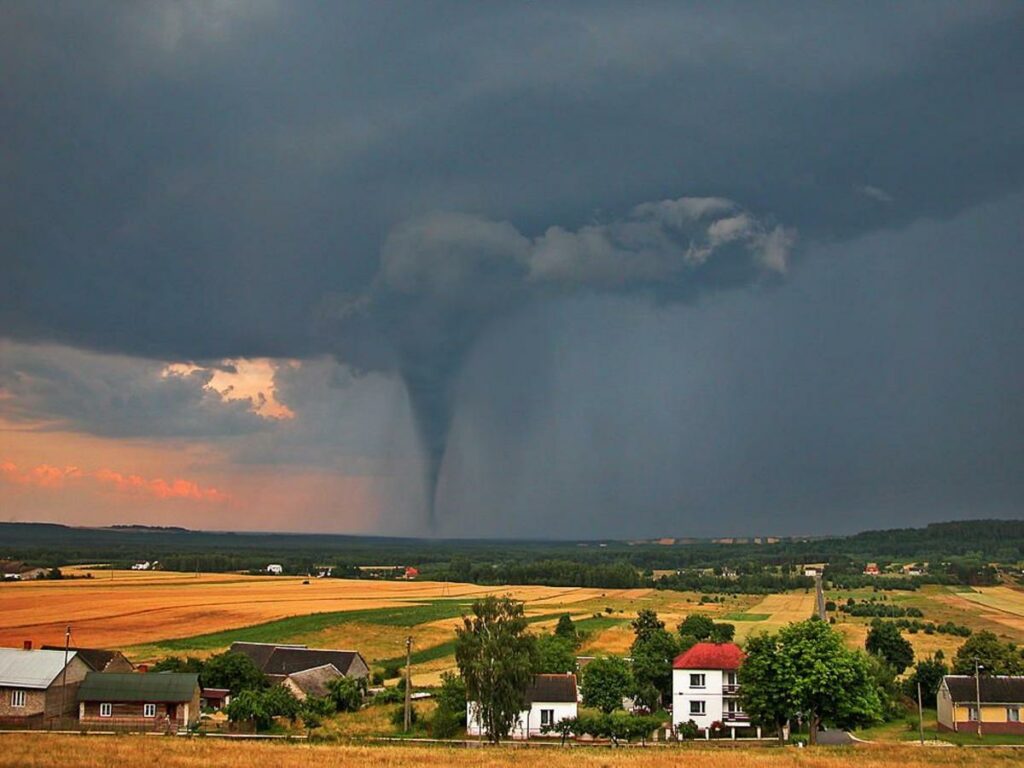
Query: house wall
{"x": 710, "y": 694}
{"x": 129, "y": 715}
{"x": 357, "y": 668}
{"x": 528, "y": 722}
{"x": 944, "y": 709}
{"x": 35, "y": 704}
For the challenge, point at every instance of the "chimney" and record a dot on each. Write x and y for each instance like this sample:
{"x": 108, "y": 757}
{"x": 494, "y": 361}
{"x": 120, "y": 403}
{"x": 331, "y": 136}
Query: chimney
{"x": 27, "y": 645}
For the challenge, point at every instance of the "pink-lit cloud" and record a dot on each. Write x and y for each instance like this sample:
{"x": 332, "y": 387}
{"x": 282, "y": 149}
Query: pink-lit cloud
{"x": 51, "y": 477}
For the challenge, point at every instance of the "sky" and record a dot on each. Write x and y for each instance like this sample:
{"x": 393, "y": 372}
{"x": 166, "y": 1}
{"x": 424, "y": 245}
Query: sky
{"x": 578, "y": 270}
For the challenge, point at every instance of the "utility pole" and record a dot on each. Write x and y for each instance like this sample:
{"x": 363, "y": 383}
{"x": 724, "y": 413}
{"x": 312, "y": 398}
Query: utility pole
{"x": 64, "y": 674}
{"x": 408, "y": 683}
{"x": 920, "y": 714}
{"x": 977, "y": 691}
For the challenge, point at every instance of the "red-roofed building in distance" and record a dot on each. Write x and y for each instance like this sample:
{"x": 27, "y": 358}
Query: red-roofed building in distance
{"x": 705, "y": 688}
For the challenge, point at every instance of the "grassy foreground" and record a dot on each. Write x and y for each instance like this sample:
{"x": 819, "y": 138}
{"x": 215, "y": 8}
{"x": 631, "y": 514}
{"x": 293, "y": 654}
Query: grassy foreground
{"x": 63, "y": 751}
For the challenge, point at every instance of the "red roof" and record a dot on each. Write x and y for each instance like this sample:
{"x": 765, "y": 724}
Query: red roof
{"x": 710, "y": 656}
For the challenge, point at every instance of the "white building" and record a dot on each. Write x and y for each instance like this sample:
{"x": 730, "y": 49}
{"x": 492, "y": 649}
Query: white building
{"x": 275, "y": 569}
{"x": 550, "y": 699}
{"x": 705, "y": 687}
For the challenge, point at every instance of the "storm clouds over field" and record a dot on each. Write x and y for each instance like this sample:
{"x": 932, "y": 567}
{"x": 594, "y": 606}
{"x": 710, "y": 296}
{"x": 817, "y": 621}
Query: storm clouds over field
{"x": 522, "y": 270}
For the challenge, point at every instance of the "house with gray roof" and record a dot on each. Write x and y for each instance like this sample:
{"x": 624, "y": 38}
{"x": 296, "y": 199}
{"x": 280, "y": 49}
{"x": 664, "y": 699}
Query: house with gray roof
{"x": 34, "y": 687}
{"x": 312, "y": 682}
{"x": 280, "y": 661}
{"x": 1001, "y": 700}
{"x": 152, "y": 701}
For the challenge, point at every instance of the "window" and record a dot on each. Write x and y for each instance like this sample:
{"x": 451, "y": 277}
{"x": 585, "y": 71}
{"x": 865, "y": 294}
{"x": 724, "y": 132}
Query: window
{"x": 106, "y": 710}
{"x": 972, "y": 713}
{"x": 697, "y": 680}
{"x": 547, "y": 717}
{"x": 730, "y": 678}
{"x": 697, "y": 707}
{"x": 17, "y": 698}
{"x": 149, "y": 710}
{"x": 1013, "y": 714}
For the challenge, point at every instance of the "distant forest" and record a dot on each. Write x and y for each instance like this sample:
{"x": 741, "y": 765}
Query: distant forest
{"x": 956, "y": 552}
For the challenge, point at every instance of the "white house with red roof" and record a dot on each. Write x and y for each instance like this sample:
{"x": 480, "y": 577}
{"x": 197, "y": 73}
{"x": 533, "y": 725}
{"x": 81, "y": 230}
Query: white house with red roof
{"x": 705, "y": 687}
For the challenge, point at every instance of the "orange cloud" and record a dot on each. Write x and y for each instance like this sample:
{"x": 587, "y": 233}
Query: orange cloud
{"x": 158, "y": 487}
{"x": 51, "y": 477}
{"x": 43, "y": 476}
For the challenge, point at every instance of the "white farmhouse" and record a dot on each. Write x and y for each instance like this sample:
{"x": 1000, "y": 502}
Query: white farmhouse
{"x": 705, "y": 687}
{"x": 275, "y": 569}
{"x": 550, "y": 698}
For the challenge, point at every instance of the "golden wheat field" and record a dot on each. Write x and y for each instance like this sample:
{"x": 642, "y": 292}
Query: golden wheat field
{"x": 62, "y": 751}
{"x": 124, "y": 608}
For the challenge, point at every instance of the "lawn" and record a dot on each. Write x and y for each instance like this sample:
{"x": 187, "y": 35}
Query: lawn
{"x": 746, "y": 616}
{"x": 64, "y": 751}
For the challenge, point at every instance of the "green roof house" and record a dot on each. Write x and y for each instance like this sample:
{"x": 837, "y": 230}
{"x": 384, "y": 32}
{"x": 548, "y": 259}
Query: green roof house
{"x": 133, "y": 701}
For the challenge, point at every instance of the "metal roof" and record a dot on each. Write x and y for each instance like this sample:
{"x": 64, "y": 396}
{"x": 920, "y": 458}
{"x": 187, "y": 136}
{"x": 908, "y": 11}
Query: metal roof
{"x": 139, "y": 686}
{"x": 30, "y": 669}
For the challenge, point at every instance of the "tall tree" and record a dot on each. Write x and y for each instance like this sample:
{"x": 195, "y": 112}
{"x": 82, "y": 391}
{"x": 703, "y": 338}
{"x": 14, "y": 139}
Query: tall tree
{"x": 884, "y": 640}
{"x": 929, "y": 673}
{"x": 496, "y": 658}
{"x": 566, "y": 628}
{"x": 995, "y": 657}
{"x": 646, "y": 622}
{"x": 555, "y": 654}
{"x": 605, "y": 682}
{"x": 766, "y": 684}
{"x": 652, "y": 652}
{"x": 830, "y": 682}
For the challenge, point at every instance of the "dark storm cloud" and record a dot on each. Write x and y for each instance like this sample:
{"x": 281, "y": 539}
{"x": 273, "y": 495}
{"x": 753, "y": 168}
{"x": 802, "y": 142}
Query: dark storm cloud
{"x": 204, "y": 180}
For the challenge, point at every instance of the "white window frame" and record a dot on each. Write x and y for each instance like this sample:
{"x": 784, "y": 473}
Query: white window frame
{"x": 149, "y": 710}
{"x": 106, "y": 709}
{"x": 1013, "y": 714}
{"x": 700, "y": 678}
{"x": 698, "y": 707}
{"x": 547, "y": 717}
{"x": 18, "y": 697}
{"x": 972, "y": 714}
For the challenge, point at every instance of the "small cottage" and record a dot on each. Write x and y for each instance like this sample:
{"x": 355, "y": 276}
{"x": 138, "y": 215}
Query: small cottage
{"x": 156, "y": 701}
{"x": 35, "y": 686}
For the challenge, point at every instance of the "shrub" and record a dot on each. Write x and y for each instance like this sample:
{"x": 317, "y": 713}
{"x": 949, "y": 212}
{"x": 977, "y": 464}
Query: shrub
{"x": 398, "y": 717}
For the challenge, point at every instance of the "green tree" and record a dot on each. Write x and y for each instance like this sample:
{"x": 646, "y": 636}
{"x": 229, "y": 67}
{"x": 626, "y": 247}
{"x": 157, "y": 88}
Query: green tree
{"x": 830, "y": 682}
{"x": 605, "y": 682}
{"x": 249, "y": 706}
{"x": 177, "y": 664}
{"x": 723, "y": 633}
{"x": 929, "y": 673}
{"x": 450, "y": 714}
{"x": 496, "y": 658}
{"x": 653, "y": 652}
{"x": 555, "y": 654}
{"x": 995, "y": 657}
{"x": 766, "y": 684}
{"x": 234, "y": 671}
{"x": 646, "y": 622}
{"x": 697, "y": 625}
{"x": 566, "y": 628}
{"x": 884, "y": 640}
{"x": 345, "y": 693}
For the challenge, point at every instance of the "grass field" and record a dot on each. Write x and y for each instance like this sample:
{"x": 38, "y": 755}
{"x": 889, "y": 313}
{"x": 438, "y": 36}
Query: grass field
{"x": 773, "y": 612}
{"x": 59, "y": 751}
